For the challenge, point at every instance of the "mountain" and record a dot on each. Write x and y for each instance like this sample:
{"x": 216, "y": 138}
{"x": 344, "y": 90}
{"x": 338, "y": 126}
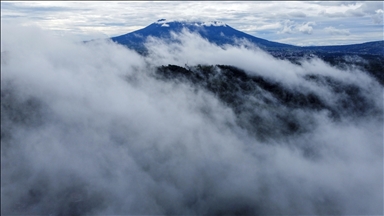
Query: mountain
{"x": 220, "y": 33}
{"x": 374, "y": 47}
{"x": 215, "y": 32}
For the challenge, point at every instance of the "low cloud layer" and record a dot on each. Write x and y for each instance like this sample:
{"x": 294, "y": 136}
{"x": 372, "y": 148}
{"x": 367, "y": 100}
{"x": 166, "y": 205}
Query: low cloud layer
{"x": 88, "y": 129}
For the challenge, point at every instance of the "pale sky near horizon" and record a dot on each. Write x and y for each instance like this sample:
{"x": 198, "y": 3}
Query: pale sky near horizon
{"x": 293, "y": 22}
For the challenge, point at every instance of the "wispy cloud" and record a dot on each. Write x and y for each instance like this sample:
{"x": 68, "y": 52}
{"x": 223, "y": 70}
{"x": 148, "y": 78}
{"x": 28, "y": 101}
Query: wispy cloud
{"x": 334, "y": 31}
{"x": 378, "y": 17}
{"x": 290, "y": 27}
{"x": 306, "y": 28}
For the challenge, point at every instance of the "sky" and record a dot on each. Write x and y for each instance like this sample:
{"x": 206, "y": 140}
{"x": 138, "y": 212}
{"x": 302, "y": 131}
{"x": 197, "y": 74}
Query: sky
{"x": 293, "y": 22}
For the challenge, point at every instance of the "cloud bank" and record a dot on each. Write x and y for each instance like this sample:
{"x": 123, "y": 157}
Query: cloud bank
{"x": 88, "y": 129}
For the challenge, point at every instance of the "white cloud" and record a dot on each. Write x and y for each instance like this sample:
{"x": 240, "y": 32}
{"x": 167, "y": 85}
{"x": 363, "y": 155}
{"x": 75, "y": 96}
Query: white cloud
{"x": 306, "y": 28}
{"x": 342, "y": 10}
{"x": 288, "y": 27}
{"x": 260, "y": 27}
{"x": 370, "y": 7}
{"x": 378, "y": 17}
{"x": 297, "y": 14}
{"x": 334, "y": 31}
{"x": 291, "y": 27}
{"x": 355, "y": 10}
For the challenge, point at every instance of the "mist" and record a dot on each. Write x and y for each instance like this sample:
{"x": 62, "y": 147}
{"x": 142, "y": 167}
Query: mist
{"x": 89, "y": 129}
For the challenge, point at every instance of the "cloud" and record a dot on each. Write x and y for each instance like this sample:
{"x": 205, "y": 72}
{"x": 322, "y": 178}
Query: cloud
{"x": 371, "y": 7}
{"x": 297, "y": 14}
{"x": 288, "y": 27}
{"x": 332, "y": 15}
{"x": 333, "y": 31}
{"x": 88, "y": 129}
{"x": 355, "y": 10}
{"x": 306, "y": 28}
{"x": 261, "y": 27}
{"x": 378, "y": 17}
{"x": 291, "y": 27}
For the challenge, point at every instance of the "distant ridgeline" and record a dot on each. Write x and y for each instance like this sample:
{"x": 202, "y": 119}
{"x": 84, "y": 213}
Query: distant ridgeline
{"x": 369, "y": 56}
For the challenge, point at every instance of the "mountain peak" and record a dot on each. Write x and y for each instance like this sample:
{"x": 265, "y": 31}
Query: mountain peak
{"x": 215, "y": 32}
{"x": 165, "y": 22}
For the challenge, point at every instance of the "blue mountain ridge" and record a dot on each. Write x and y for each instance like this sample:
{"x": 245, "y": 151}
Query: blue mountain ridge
{"x": 220, "y": 34}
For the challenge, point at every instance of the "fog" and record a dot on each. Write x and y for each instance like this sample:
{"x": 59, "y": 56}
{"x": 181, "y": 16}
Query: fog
{"x": 87, "y": 129}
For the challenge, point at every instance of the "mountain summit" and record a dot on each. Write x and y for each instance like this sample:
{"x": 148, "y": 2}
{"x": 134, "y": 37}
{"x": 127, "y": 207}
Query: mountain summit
{"x": 220, "y": 33}
{"x": 165, "y": 23}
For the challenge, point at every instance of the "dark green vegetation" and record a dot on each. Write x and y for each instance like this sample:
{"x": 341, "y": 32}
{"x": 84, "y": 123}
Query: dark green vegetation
{"x": 250, "y": 97}
{"x": 373, "y": 64}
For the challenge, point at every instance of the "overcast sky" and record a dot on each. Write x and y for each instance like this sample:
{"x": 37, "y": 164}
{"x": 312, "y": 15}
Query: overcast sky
{"x": 298, "y": 23}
